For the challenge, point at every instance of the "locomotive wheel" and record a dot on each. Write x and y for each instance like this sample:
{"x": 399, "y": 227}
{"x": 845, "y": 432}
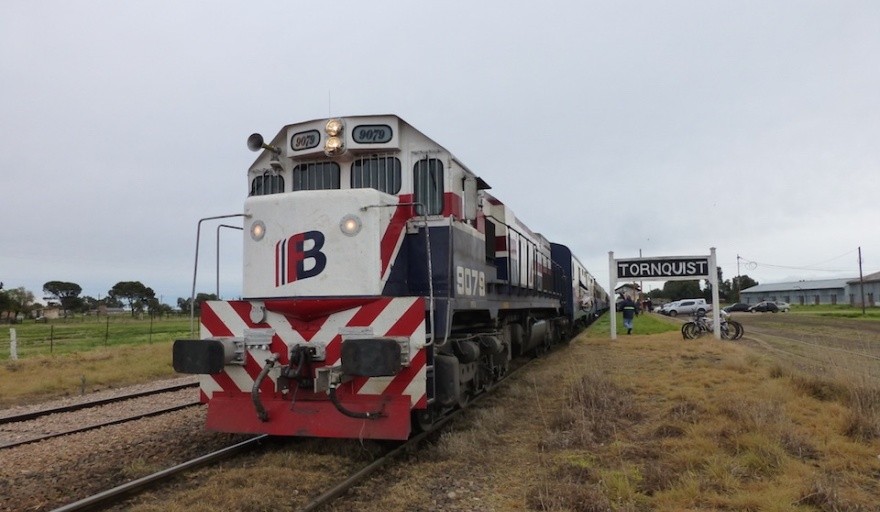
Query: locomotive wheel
{"x": 423, "y": 419}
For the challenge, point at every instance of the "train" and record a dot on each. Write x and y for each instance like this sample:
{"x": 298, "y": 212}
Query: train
{"x": 383, "y": 286}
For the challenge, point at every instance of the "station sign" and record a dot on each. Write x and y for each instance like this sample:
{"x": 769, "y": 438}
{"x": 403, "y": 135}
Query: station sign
{"x": 663, "y": 268}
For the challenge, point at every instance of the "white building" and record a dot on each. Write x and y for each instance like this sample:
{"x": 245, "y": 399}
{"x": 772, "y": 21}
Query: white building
{"x": 825, "y": 291}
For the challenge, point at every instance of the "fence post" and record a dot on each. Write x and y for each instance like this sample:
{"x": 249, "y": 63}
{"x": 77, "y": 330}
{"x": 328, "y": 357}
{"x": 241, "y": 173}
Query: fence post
{"x": 107, "y": 330}
{"x": 13, "y": 345}
{"x": 51, "y": 339}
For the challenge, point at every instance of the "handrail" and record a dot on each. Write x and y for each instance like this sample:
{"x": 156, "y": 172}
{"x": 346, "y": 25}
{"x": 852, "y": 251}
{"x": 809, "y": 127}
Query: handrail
{"x": 192, "y": 297}
{"x": 218, "y": 253}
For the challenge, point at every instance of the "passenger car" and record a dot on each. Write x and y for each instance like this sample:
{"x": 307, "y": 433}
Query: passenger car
{"x": 688, "y": 307}
{"x": 784, "y": 307}
{"x": 739, "y": 306}
{"x": 664, "y": 309}
{"x": 765, "y": 307}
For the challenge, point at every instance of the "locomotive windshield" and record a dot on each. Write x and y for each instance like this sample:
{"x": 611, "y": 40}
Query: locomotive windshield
{"x": 380, "y": 173}
{"x": 316, "y": 176}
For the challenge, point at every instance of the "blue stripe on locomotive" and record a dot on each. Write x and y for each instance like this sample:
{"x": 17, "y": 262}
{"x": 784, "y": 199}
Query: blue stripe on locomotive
{"x": 452, "y": 248}
{"x": 562, "y": 262}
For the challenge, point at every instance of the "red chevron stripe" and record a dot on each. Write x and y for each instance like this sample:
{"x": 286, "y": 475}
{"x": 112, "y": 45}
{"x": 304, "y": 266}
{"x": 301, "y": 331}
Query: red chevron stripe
{"x": 409, "y": 321}
{"x": 405, "y": 326}
{"x": 253, "y": 368}
{"x": 212, "y": 322}
{"x": 225, "y": 382}
{"x": 369, "y": 312}
{"x": 394, "y": 231}
{"x": 363, "y": 318}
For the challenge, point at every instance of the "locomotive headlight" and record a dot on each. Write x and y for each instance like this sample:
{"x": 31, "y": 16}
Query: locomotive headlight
{"x": 333, "y": 127}
{"x": 350, "y": 225}
{"x": 258, "y": 230}
{"x": 333, "y": 146}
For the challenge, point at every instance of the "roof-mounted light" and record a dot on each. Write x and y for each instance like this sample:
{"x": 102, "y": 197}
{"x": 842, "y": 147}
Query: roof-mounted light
{"x": 335, "y": 144}
{"x": 334, "y": 127}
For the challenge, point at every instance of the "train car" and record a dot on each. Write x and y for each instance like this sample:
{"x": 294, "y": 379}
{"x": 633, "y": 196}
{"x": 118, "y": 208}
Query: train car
{"x": 382, "y": 287}
{"x": 583, "y": 298}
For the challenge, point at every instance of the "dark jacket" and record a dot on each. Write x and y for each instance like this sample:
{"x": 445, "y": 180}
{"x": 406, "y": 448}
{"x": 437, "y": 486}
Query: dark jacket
{"x": 628, "y": 307}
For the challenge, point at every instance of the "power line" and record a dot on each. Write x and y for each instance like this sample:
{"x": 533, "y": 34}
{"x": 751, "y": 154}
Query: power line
{"x": 752, "y": 264}
{"x": 834, "y": 258}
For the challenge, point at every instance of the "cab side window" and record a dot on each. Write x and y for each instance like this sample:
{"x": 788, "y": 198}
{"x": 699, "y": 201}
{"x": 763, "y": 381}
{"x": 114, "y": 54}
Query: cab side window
{"x": 428, "y": 186}
{"x": 268, "y": 183}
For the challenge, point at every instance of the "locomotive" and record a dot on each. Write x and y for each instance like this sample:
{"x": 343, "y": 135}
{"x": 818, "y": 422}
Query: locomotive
{"x": 382, "y": 287}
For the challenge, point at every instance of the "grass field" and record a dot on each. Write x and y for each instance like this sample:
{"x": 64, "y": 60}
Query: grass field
{"x": 647, "y": 422}
{"x": 838, "y": 311}
{"x": 71, "y": 356}
{"x": 643, "y": 324}
{"x": 85, "y": 334}
{"x": 78, "y": 356}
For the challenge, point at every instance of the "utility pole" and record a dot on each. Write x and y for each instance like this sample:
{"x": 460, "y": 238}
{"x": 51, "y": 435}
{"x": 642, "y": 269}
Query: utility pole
{"x": 862, "y": 281}
{"x": 738, "y": 279}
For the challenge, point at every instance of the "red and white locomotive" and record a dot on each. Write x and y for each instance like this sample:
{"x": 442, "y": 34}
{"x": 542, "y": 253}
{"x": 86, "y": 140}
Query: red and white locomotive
{"x": 382, "y": 287}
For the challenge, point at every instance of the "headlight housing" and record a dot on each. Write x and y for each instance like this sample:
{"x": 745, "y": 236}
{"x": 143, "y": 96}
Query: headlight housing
{"x": 335, "y": 143}
{"x": 350, "y": 225}
{"x": 258, "y": 230}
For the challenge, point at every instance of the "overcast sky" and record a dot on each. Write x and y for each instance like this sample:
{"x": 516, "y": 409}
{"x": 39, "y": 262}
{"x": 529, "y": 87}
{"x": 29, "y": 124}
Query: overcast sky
{"x": 666, "y": 127}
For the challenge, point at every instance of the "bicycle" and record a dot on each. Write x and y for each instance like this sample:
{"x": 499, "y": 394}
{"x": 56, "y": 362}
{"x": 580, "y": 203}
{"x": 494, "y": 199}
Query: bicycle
{"x": 700, "y": 325}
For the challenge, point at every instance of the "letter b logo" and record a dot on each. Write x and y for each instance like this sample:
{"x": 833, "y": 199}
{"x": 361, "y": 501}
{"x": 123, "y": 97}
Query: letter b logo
{"x": 299, "y": 257}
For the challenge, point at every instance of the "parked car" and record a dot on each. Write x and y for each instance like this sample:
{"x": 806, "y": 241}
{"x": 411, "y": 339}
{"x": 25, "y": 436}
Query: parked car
{"x": 784, "y": 307}
{"x": 688, "y": 307}
{"x": 664, "y": 309}
{"x": 739, "y": 306}
{"x": 764, "y": 307}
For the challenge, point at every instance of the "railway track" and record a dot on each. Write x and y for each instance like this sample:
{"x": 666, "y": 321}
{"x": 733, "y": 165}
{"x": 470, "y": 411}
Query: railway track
{"x": 67, "y": 409}
{"x": 116, "y": 495}
{"x": 15, "y": 418}
{"x": 410, "y": 445}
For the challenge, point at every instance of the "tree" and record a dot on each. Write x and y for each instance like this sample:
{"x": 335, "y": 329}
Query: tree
{"x": 5, "y": 302}
{"x": 184, "y": 304}
{"x": 156, "y": 308}
{"x": 739, "y": 284}
{"x": 88, "y": 303}
{"x": 18, "y": 300}
{"x": 134, "y": 292}
{"x": 723, "y": 288}
{"x": 66, "y": 293}
{"x": 676, "y": 290}
{"x": 112, "y": 302}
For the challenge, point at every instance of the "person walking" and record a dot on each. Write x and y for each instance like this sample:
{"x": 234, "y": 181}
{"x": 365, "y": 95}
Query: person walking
{"x": 628, "y": 307}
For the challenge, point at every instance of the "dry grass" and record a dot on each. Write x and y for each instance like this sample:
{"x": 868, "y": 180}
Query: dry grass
{"x": 645, "y": 423}
{"x": 708, "y": 431}
{"x": 42, "y": 377}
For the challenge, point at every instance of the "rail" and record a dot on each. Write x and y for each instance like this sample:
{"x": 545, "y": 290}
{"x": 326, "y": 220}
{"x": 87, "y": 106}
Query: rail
{"x": 110, "y": 496}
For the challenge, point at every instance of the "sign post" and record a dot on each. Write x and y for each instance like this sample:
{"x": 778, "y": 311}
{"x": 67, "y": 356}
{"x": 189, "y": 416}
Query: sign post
{"x": 666, "y": 268}
{"x": 13, "y": 346}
